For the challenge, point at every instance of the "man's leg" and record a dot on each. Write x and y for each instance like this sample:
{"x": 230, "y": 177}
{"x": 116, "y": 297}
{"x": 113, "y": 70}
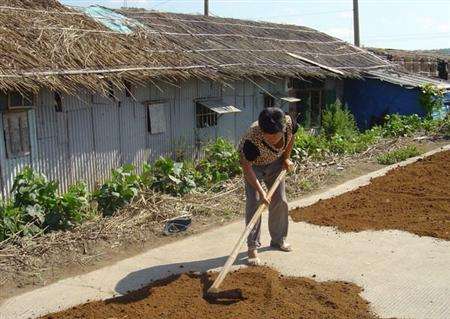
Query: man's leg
{"x": 278, "y": 209}
{"x": 251, "y": 205}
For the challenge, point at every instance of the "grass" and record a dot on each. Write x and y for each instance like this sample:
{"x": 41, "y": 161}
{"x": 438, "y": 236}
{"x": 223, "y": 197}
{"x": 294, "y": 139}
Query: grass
{"x": 398, "y": 155}
{"x": 306, "y": 185}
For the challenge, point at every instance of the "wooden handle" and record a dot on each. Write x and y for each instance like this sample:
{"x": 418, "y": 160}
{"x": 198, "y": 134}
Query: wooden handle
{"x": 226, "y": 268}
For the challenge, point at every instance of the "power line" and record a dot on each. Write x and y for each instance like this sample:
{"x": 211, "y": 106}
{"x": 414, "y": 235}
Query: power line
{"x": 304, "y": 14}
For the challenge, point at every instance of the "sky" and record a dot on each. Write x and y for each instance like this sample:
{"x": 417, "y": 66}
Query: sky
{"x": 399, "y": 24}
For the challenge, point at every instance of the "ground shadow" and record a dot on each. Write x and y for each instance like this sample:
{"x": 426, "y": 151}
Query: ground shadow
{"x": 134, "y": 284}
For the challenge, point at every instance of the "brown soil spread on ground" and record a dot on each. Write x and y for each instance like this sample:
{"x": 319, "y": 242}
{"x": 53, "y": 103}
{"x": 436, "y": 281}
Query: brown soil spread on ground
{"x": 414, "y": 198}
{"x": 264, "y": 293}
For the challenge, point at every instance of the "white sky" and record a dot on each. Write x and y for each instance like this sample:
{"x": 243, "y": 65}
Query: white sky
{"x": 402, "y": 24}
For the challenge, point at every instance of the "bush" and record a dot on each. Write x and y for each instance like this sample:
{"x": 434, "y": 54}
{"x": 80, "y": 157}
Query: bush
{"x": 71, "y": 208}
{"x": 35, "y": 196}
{"x": 444, "y": 126}
{"x": 119, "y": 190}
{"x": 431, "y": 98}
{"x": 170, "y": 177}
{"x": 37, "y": 206}
{"x": 398, "y": 155}
{"x": 401, "y": 125}
{"x": 221, "y": 162}
{"x": 307, "y": 145}
{"x": 338, "y": 120}
{"x": 11, "y": 222}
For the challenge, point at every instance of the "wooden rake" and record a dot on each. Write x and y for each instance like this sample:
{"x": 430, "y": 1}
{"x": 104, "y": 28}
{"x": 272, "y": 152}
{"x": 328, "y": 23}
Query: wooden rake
{"x": 262, "y": 207}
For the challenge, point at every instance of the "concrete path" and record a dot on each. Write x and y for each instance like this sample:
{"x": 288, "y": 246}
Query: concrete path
{"x": 403, "y": 275}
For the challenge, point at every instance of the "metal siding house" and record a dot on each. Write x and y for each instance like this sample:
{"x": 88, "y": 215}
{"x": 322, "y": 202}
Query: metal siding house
{"x": 99, "y": 88}
{"x": 388, "y": 92}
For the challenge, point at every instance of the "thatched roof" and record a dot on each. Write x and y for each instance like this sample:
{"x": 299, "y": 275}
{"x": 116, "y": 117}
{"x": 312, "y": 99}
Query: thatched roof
{"x": 411, "y": 55}
{"x": 45, "y": 44}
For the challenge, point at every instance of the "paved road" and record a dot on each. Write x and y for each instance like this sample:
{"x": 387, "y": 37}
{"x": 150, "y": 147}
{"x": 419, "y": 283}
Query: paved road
{"x": 403, "y": 275}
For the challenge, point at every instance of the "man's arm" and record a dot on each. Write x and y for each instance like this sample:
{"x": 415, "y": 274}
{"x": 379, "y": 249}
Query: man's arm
{"x": 287, "y": 152}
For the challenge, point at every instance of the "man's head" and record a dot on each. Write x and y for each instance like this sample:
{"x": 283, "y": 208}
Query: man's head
{"x": 272, "y": 122}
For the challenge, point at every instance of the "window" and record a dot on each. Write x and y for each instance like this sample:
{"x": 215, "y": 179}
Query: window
{"x": 269, "y": 100}
{"x": 12, "y": 100}
{"x": 311, "y": 105}
{"x": 205, "y": 116}
{"x": 17, "y": 134}
{"x": 156, "y": 120}
{"x": 58, "y": 101}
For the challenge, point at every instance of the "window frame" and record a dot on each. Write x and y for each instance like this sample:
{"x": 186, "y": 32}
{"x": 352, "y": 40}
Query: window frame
{"x": 155, "y": 103}
{"x": 23, "y": 97}
{"x": 309, "y": 99}
{"x": 205, "y": 117}
{"x": 269, "y": 100}
{"x": 8, "y": 137}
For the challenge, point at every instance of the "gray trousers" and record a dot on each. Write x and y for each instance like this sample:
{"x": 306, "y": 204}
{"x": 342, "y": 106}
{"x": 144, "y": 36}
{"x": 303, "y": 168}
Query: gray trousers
{"x": 278, "y": 209}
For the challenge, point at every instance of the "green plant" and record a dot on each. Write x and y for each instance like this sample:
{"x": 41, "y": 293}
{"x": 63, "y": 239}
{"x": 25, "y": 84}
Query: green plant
{"x": 307, "y": 145}
{"x": 35, "y": 196}
{"x": 171, "y": 177}
{"x": 306, "y": 185}
{"x": 221, "y": 162}
{"x": 444, "y": 126}
{"x": 401, "y": 125}
{"x": 71, "y": 208}
{"x": 39, "y": 205}
{"x": 431, "y": 98}
{"x": 11, "y": 221}
{"x": 398, "y": 155}
{"x": 119, "y": 190}
{"x": 338, "y": 120}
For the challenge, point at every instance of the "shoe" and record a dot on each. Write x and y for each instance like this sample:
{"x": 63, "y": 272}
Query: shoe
{"x": 283, "y": 247}
{"x": 253, "y": 259}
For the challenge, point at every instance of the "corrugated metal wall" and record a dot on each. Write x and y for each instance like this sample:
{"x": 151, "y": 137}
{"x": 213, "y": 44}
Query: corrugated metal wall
{"x": 93, "y": 134}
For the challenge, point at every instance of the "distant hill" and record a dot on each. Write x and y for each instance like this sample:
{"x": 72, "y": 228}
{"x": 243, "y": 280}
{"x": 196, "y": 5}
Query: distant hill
{"x": 443, "y": 51}
{"x": 440, "y": 51}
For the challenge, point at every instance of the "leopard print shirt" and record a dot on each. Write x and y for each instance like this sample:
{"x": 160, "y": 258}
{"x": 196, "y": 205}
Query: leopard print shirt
{"x": 257, "y": 151}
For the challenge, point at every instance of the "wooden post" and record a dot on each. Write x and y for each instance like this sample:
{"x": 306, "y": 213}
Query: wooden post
{"x": 206, "y": 7}
{"x": 356, "y": 22}
{"x": 262, "y": 207}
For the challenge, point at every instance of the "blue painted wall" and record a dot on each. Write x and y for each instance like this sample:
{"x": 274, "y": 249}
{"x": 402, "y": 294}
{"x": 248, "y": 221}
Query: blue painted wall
{"x": 369, "y": 99}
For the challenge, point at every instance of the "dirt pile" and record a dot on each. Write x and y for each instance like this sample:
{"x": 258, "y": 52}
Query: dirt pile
{"x": 414, "y": 198}
{"x": 264, "y": 294}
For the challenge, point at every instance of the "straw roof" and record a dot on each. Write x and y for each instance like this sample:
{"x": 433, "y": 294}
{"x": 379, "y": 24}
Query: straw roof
{"x": 45, "y": 44}
{"x": 410, "y": 55}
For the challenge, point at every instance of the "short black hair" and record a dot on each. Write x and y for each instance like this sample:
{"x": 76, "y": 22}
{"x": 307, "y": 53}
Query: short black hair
{"x": 272, "y": 120}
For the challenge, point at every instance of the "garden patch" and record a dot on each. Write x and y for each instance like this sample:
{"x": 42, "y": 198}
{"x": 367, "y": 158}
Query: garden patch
{"x": 413, "y": 198}
{"x": 264, "y": 294}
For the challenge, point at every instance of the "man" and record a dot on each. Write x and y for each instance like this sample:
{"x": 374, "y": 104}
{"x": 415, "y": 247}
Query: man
{"x": 265, "y": 150}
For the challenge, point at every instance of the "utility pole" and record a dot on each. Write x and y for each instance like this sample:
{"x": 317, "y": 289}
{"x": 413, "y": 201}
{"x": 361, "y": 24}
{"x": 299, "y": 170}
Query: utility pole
{"x": 356, "y": 22}
{"x": 206, "y": 7}
{"x": 125, "y": 3}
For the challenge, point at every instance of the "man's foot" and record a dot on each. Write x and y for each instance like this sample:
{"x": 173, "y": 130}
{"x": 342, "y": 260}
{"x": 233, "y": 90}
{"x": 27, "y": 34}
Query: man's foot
{"x": 253, "y": 259}
{"x": 283, "y": 247}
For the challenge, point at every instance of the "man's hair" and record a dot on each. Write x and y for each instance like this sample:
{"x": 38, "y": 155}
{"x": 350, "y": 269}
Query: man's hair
{"x": 272, "y": 120}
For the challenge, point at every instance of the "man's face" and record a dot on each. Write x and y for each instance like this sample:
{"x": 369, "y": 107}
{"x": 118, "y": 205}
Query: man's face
{"x": 273, "y": 138}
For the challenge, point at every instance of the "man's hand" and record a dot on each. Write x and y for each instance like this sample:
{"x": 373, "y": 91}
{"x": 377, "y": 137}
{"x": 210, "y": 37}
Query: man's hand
{"x": 288, "y": 165}
{"x": 264, "y": 198}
